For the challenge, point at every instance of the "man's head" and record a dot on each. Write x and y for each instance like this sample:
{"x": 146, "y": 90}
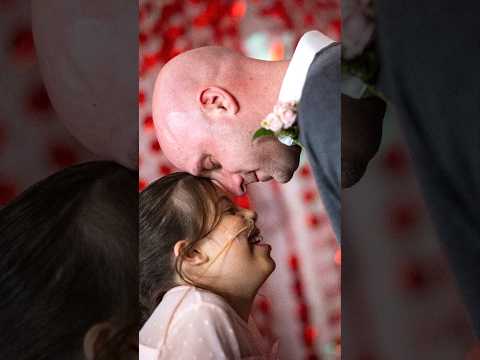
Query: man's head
{"x": 207, "y": 103}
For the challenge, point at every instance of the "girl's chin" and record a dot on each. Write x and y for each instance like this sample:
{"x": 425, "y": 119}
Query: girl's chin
{"x": 269, "y": 265}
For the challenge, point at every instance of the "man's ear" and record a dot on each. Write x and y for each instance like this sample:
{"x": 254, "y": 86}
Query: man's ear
{"x": 193, "y": 256}
{"x": 96, "y": 339}
{"x": 215, "y": 101}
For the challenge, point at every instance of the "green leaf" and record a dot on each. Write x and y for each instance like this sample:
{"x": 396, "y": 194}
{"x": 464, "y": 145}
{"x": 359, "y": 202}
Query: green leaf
{"x": 297, "y": 142}
{"x": 262, "y": 132}
{"x": 292, "y": 132}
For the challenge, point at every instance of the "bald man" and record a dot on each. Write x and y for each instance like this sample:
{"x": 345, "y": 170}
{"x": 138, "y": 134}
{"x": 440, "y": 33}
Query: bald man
{"x": 208, "y": 102}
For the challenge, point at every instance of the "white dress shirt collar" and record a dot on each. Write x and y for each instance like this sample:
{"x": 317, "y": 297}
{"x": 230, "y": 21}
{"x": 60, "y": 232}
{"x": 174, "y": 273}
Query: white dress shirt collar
{"x": 294, "y": 80}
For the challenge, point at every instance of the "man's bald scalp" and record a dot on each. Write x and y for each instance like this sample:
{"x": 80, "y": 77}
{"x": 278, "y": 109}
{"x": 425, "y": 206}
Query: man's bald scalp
{"x": 179, "y": 80}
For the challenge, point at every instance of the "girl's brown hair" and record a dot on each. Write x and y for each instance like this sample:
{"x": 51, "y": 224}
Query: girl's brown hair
{"x": 176, "y": 207}
{"x": 68, "y": 246}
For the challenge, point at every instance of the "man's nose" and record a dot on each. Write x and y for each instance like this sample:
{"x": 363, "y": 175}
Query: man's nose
{"x": 233, "y": 183}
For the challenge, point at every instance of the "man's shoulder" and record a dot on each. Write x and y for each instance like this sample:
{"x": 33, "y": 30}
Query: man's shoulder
{"x": 327, "y": 60}
{"x": 322, "y": 85}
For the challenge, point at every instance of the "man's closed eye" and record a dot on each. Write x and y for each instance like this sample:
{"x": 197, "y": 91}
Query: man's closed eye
{"x": 210, "y": 164}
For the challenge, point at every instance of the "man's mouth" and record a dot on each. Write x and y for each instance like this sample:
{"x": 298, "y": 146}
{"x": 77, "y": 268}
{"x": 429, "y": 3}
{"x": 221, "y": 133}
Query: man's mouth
{"x": 263, "y": 178}
{"x": 257, "y": 178}
{"x": 250, "y": 178}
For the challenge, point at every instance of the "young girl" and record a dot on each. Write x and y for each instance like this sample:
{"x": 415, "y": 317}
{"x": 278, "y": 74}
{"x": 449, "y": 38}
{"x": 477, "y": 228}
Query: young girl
{"x": 202, "y": 261}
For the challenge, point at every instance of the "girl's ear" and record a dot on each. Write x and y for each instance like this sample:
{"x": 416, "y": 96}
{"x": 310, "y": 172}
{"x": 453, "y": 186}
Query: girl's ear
{"x": 194, "y": 256}
{"x": 96, "y": 339}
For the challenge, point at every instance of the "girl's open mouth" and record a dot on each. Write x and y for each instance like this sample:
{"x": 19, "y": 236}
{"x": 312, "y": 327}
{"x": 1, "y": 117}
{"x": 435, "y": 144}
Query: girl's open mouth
{"x": 255, "y": 238}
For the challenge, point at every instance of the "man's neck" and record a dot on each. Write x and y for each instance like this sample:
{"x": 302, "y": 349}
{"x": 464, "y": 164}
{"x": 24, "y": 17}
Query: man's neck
{"x": 272, "y": 80}
{"x": 265, "y": 81}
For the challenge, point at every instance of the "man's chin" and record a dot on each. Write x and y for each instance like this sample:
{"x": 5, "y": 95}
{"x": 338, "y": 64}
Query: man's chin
{"x": 283, "y": 177}
{"x": 285, "y": 169}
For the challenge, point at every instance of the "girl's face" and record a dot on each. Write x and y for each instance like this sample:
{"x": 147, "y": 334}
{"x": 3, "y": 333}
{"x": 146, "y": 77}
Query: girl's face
{"x": 237, "y": 258}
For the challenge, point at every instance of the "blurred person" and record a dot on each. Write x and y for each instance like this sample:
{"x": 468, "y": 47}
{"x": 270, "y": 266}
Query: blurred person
{"x": 202, "y": 261}
{"x": 88, "y": 56}
{"x": 428, "y": 64}
{"x": 68, "y": 267}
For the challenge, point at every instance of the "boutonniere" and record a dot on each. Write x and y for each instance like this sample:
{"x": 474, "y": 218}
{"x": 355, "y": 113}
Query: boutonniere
{"x": 281, "y": 123}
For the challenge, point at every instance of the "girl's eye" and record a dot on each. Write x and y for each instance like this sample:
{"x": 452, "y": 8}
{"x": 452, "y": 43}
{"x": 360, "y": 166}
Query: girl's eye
{"x": 231, "y": 211}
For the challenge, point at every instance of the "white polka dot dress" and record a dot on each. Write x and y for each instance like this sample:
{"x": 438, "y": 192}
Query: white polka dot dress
{"x": 202, "y": 326}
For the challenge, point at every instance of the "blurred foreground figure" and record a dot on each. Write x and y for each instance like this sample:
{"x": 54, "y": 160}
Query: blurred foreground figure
{"x": 68, "y": 267}
{"x": 88, "y": 54}
{"x": 430, "y": 56}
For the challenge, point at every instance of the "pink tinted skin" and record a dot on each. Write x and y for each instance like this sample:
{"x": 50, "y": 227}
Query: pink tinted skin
{"x": 229, "y": 157}
{"x": 210, "y": 135}
{"x": 233, "y": 260}
{"x": 76, "y": 42}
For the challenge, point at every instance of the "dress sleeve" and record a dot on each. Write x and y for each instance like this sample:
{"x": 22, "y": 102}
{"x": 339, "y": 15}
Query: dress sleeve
{"x": 205, "y": 332}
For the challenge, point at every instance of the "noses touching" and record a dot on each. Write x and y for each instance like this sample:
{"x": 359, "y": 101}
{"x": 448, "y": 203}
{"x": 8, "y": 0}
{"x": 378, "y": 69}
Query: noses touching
{"x": 236, "y": 182}
{"x": 233, "y": 184}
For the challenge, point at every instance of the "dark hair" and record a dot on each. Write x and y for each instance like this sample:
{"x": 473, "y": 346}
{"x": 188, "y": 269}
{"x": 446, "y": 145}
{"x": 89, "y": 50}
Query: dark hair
{"x": 176, "y": 207}
{"x": 68, "y": 261}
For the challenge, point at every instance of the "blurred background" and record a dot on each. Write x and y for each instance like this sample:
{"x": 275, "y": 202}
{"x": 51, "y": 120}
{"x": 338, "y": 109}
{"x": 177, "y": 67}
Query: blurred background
{"x": 33, "y": 141}
{"x": 301, "y": 302}
{"x": 399, "y": 298}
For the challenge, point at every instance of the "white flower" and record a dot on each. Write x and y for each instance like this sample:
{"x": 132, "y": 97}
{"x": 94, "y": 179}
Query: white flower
{"x": 283, "y": 117}
{"x": 265, "y": 123}
{"x": 287, "y": 113}
{"x": 286, "y": 139}
{"x": 288, "y": 118}
{"x": 272, "y": 122}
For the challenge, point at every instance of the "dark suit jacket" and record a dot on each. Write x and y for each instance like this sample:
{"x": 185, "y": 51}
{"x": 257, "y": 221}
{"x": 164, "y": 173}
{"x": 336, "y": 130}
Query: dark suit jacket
{"x": 320, "y": 128}
{"x": 430, "y": 53}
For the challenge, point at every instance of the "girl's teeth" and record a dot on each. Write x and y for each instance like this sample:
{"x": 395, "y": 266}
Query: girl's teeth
{"x": 257, "y": 239}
